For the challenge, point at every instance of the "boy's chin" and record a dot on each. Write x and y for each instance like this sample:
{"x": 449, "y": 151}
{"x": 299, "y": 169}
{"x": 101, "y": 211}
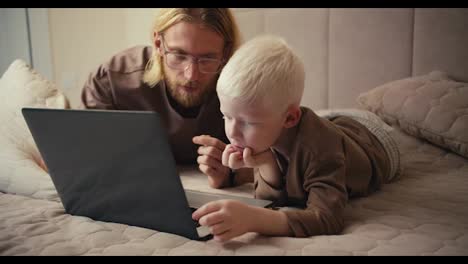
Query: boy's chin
{"x": 258, "y": 151}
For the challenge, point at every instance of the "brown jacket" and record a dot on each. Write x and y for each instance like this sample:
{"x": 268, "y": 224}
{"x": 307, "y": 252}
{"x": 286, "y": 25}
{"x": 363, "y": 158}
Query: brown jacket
{"x": 324, "y": 162}
{"x": 118, "y": 85}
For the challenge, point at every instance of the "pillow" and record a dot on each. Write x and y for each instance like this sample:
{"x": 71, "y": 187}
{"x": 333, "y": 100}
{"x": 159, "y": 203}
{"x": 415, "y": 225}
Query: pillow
{"x": 20, "y": 172}
{"x": 432, "y": 106}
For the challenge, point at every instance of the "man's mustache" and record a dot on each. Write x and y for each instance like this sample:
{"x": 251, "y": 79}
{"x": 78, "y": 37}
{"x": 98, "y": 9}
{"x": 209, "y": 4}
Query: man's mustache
{"x": 190, "y": 84}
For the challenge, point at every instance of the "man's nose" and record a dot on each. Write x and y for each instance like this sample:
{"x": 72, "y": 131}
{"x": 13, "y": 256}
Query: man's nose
{"x": 192, "y": 72}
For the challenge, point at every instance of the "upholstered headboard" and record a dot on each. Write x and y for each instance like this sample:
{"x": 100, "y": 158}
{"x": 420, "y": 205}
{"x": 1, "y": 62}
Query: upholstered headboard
{"x": 349, "y": 51}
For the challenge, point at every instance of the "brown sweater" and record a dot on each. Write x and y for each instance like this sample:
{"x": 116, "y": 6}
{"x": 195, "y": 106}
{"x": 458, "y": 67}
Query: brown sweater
{"x": 118, "y": 85}
{"x": 324, "y": 162}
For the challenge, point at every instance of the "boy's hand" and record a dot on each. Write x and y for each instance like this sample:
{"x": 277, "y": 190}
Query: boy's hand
{"x": 209, "y": 160}
{"x": 226, "y": 218}
{"x": 235, "y": 159}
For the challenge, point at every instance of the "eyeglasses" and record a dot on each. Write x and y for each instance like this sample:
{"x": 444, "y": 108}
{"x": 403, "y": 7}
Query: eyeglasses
{"x": 179, "y": 61}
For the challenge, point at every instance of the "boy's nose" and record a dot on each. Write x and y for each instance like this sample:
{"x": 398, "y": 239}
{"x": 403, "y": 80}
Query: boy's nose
{"x": 233, "y": 132}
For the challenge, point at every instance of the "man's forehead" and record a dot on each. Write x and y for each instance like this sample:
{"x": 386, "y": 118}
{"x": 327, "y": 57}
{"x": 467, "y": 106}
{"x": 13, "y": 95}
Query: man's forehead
{"x": 193, "y": 38}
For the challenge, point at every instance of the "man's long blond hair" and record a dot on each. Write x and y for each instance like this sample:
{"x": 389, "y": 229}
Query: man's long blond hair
{"x": 220, "y": 20}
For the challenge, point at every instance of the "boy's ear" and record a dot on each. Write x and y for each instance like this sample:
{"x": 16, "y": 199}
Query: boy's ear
{"x": 292, "y": 116}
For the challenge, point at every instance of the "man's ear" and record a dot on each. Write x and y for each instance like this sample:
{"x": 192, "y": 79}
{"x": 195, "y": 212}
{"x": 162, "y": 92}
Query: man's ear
{"x": 157, "y": 42}
{"x": 293, "y": 116}
{"x": 227, "y": 49}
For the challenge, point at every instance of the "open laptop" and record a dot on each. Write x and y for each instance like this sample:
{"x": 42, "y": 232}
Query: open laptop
{"x": 117, "y": 166}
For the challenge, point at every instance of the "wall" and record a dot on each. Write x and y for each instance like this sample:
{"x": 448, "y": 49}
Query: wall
{"x": 345, "y": 51}
{"x": 83, "y": 38}
{"x": 306, "y": 31}
{"x": 14, "y": 40}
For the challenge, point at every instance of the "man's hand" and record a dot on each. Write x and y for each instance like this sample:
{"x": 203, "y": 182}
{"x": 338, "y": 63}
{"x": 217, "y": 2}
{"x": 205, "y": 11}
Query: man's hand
{"x": 209, "y": 160}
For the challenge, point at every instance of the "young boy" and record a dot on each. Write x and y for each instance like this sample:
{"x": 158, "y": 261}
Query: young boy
{"x": 298, "y": 158}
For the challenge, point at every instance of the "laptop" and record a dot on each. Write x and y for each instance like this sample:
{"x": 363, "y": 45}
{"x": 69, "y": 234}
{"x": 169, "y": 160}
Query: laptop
{"x": 117, "y": 166}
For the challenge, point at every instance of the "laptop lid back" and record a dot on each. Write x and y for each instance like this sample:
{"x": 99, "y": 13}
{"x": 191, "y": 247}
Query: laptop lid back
{"x": 113, "y": 166}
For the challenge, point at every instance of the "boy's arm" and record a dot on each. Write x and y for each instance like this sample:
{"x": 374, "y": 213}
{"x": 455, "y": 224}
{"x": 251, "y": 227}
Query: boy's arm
{"x": 277, "y": 222}
{"x": 269, "y": 171}
{"x": 325, "y": 183}
{"x": 268, "y": 180}
{"x": 243, "y": 176}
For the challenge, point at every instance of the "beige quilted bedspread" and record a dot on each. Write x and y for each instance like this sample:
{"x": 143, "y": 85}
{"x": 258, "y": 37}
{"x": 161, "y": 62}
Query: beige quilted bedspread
{"x": 424, "y": 213}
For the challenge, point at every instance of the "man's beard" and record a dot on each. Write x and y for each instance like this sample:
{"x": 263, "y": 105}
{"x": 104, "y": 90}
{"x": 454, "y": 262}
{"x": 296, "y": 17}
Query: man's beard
{"x": 189, "y": 100}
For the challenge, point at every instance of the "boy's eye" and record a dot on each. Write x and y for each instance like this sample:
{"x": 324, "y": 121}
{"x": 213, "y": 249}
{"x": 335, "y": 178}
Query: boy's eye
{"x": 250, "y": 123}
{"x": 243, "y": 123}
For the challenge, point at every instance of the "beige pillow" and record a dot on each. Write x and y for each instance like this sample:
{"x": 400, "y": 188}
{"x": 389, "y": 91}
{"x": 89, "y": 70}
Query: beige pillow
{"x": 433, "y": 107}
{"x": 20, "y": 173}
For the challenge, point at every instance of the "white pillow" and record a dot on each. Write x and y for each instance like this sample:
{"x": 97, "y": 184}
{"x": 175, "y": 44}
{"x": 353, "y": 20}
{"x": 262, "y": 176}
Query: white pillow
{"x": 22, "y": 86}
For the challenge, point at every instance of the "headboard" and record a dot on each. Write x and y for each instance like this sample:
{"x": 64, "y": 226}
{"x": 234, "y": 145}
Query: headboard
{"x": 349, "y": 51}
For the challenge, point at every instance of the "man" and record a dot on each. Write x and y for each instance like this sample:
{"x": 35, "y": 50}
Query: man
{"x": 177, "y": 78}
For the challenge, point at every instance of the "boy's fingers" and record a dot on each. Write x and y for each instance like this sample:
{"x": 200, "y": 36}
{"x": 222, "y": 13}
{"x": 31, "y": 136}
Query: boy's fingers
{"x": 218, "y": 229}
{"x": 206, "y": 209}
{"x": 225, "y": 156}
{"x": 210, "y": 152}
{"x": 249, "y": 160}
{"x": 209, "y": 161}
{"x": 208, "y": 171}
{"x": 214, "y": 218}
{"x": 225, "y": 236}
{"x": 209, "y": 141}
{"x": 216, "y": 177}
{"x": 235, "y": 160}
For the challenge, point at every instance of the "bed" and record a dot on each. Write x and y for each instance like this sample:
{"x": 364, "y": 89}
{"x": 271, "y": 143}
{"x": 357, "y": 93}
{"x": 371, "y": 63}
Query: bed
{"x": 425, "y": 101}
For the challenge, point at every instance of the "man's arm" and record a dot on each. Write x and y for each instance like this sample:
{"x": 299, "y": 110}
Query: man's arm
{"x": 96, "y": 92}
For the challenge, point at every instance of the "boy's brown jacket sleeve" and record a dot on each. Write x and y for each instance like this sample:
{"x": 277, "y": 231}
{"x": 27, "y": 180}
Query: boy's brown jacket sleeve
{"x": 325, "y": 183}
{"x": 265, "y": 191}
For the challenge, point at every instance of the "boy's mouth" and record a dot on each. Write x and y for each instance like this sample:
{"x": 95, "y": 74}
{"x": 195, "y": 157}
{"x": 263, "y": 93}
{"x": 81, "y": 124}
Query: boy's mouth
{"x": 238, "y": 148}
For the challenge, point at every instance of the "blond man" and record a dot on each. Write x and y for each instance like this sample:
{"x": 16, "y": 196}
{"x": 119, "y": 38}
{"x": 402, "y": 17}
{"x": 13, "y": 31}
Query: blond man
{"x": 175, "y": 77}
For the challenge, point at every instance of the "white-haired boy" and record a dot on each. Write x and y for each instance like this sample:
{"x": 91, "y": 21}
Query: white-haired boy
{"x": 299, "y": 159}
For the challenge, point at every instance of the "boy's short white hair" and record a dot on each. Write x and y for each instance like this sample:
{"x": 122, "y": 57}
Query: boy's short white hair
{"x": 264, "y": 70}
